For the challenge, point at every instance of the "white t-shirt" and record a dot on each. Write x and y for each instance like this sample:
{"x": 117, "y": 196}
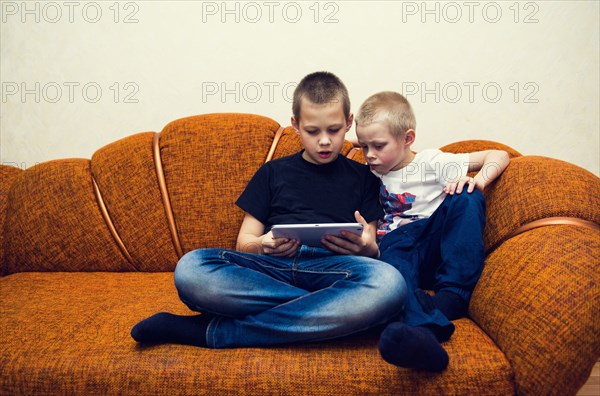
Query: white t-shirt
{"x": 416, "y": 191}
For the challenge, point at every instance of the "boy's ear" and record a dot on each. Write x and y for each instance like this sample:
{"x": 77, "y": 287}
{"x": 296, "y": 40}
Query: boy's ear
{"x": 295, "y": 124}
{"x": 409, "y": 137}
{"x": 349, "y": 121}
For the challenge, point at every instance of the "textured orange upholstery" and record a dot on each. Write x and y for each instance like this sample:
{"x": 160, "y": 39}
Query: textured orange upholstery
{"x": 539, "y": 300}
{"x": 125, "y": 173}
{"x": 289, "y": 143}
{"x": 469, "y": 146}
{"x": 534, "y": 188}
{"x": 7, "y": 174}
{"x": 208, "y": 161}
{"x": 75, "y": 340}
{"x": 53, "y": 222}
{"x": 83, "y": 265}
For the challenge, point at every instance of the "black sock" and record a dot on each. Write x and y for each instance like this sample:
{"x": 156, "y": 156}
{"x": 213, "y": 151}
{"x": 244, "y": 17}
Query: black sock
{"x": 451, "y": 304}
{"x": 173, "y": 329}
{"x": 412, "y": 347}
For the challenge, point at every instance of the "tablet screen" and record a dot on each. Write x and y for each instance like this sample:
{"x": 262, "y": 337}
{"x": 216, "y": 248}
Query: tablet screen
{"x": 311, "y": 234}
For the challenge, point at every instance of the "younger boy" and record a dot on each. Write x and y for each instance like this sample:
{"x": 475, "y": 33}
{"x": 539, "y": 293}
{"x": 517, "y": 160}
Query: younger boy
{"x": 273, "y": 290}
{"x": 430, "y": 231}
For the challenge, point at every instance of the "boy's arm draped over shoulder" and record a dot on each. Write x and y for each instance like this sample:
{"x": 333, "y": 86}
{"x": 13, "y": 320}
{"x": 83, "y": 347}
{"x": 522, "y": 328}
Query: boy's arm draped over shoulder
{"x": 488, "y": 164}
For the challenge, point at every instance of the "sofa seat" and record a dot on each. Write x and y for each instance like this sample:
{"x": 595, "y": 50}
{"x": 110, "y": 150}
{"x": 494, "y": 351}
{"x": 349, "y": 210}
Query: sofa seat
{"x": 68, "y": 333}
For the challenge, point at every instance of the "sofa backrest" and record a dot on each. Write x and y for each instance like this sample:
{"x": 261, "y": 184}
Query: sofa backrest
{"x": 143, "y": 201}
{"x": 111, "y": 214}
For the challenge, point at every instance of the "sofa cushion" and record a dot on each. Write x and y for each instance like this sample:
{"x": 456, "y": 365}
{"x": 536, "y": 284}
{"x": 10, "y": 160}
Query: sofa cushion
{"x": 68, "y": 333}
{"x": 126, "y": 177}
{"x": 53, "y": 222}
{"x": 207, "y": 162}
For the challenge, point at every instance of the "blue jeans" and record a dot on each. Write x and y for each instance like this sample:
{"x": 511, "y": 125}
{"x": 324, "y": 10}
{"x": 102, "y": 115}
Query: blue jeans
{"x": 443, "y": 252}
{"x": 261, "y": 300}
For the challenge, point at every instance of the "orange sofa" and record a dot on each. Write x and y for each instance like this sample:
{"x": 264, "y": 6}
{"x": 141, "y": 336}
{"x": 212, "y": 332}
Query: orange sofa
{"x": 88, "y": 248}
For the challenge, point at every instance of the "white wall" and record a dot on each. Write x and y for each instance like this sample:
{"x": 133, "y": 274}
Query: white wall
{"x": 522, "y": 73}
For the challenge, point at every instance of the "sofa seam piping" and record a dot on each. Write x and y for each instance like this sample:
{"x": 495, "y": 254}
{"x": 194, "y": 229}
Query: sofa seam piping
{"x": 273, "y": 147}
{"x": 111, "y": 226}
{"x": 549, "y": 221}
{"x": 164, "y": 192}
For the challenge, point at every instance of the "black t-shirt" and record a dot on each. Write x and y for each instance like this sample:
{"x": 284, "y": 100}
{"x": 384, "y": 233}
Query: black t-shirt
{"x": 292, "y": 190}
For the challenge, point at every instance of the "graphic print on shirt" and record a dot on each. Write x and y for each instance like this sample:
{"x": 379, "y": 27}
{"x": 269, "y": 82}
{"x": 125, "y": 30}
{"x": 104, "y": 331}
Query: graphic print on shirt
{"x": 394, "y": 205}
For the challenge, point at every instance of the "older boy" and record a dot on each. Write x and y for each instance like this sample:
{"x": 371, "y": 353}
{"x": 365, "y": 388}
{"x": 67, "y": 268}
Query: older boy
{"x": 274, "y": 290}
{"x": 430, "y": 231}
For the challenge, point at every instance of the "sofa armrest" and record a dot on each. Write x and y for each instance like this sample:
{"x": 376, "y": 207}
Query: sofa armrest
{"x": 539, "y": 294}
{"x": 539, "y": 300}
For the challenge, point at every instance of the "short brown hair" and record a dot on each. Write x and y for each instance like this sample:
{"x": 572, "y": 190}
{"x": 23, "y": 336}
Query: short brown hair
{"x": 389, "y": 107}
{"x": 321, "y": 87}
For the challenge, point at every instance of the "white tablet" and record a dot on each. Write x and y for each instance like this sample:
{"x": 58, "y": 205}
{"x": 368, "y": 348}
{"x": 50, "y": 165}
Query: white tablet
{"x": 311, "y": 234}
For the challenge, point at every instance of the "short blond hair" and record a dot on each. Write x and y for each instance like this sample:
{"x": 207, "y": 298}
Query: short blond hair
{"x": 388, "y": 107}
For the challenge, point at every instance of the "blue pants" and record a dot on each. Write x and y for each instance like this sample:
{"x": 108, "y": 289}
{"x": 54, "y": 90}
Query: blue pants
{"x": 262, "y": 300}
{"x": 443, "y": 252}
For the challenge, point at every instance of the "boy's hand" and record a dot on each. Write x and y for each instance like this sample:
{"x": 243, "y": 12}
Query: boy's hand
{"x": 252, "y": 240}
{"x": 457, "y": 186}
{"x": 280, "y": 247}
{"x": 351, "y": 243}
{"x": 488, "y": 163}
